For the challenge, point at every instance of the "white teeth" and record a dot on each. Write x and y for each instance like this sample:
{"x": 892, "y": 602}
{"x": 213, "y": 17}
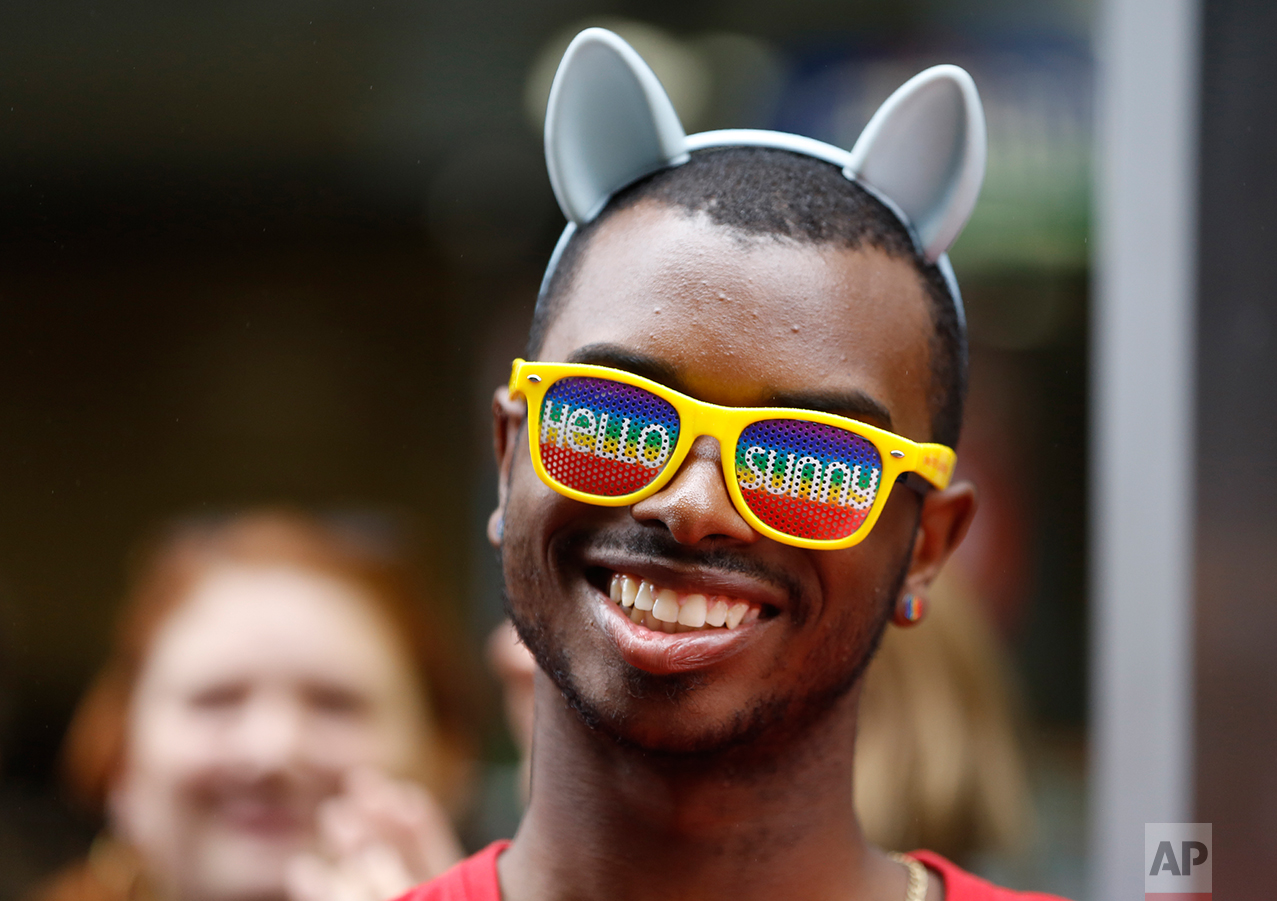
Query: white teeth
{"x": 666, "y": 607}
{"x": 693, "y": 609}
{"x": 629, "y": 588}
{"x": 664, "y": 610}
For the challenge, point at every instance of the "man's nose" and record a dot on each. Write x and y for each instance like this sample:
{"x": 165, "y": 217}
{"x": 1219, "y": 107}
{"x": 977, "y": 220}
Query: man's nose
{"x": 695, "y": 505}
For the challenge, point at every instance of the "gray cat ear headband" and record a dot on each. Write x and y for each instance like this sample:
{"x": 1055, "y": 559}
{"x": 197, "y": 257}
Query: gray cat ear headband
{"x": 609, "y": 123}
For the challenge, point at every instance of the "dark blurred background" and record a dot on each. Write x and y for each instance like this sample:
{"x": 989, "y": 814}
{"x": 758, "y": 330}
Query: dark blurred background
{"x": 282, "y": 251}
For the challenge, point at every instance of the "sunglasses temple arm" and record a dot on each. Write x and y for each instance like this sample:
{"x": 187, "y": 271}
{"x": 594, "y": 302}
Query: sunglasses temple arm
{"x": 915, "y": 482}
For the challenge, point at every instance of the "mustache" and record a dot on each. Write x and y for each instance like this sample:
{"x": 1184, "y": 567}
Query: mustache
{"x": 660, "y": 545}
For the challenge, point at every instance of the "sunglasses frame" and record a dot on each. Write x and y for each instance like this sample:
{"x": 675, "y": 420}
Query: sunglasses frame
{"x": 899, "y": 456}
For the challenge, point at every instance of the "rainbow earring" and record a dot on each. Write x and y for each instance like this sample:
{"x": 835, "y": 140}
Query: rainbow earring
{"x": 910, "y": 610}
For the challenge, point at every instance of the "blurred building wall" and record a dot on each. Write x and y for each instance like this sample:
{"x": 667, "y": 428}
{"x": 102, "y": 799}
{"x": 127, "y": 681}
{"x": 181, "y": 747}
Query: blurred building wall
{"x": 1236, "y": 634}
{"x": 1141, "y": 735}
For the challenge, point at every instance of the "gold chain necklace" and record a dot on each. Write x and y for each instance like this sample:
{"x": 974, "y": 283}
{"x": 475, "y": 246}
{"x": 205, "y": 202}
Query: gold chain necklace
{"x": 917, "y": 887}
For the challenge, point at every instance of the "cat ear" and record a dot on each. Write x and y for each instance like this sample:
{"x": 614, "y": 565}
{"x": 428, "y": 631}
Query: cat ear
{"x": 608, "y": 123}
{"x": 925, "y": 151}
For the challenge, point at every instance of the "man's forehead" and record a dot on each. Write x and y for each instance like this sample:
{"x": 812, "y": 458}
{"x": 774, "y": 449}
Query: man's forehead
{"x": 735, "y": 317}
{"x": 652, "y": 253}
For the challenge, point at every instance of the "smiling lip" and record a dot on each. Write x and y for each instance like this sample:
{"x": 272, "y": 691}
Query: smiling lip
{"x": 664, "y": 653}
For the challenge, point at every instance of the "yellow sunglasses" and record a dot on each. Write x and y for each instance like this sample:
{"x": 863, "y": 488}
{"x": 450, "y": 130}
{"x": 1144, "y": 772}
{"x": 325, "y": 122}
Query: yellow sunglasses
{"x": 811, "y": 479}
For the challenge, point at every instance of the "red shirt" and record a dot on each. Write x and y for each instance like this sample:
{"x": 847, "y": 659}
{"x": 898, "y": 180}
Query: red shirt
{"x": 475, "y": 879}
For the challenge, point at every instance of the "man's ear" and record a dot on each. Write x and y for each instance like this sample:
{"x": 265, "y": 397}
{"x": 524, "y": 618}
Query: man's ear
{"x": 507, "y": 422}
{"x": 942, "y": 524}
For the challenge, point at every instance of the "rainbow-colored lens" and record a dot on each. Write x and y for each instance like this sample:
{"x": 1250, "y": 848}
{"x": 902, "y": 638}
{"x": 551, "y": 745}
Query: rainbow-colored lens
{"x": 807, "y": 479}
{"x": 603, "y": 437}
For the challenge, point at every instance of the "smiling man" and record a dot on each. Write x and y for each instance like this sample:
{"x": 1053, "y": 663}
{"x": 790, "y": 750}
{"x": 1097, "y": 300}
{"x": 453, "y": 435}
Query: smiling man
{"x": 724, "y": 472}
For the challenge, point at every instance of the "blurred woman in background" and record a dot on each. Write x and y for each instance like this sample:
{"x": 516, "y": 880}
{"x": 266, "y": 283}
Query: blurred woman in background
{"x": 279, "y": 715}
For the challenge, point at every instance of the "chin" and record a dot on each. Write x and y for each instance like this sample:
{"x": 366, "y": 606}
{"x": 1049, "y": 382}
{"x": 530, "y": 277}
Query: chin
{"x": 248, "y": 868}
{"x": 680, "y": 715}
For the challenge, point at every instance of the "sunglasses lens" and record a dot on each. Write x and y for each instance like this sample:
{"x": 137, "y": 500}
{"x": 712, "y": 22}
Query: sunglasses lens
{"x": 605, "y": 438}
{"x": 807, "y": 479}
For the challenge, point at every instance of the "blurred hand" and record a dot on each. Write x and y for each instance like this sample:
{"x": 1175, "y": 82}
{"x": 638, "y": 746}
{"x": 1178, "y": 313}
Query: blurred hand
{"x": 377, "y": 839}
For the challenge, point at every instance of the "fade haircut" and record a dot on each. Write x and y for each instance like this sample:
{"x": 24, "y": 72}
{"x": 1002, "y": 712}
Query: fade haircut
{"x": 761, "y": 191}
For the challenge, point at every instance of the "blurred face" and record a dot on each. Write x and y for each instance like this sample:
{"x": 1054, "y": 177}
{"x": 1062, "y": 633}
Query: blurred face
{"x": 738, "y": 322}
{"x": 261, "y": 691}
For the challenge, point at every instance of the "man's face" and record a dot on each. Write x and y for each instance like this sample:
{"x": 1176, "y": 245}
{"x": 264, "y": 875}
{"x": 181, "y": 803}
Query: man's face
{"x": 739, "y": 322}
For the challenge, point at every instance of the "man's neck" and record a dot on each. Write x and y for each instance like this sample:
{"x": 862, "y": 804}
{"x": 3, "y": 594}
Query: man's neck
{"x": 609, "y": 821}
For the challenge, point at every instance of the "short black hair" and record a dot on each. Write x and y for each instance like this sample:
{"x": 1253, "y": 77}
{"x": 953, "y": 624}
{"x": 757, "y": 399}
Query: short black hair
{"x": 763, "y": 191}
